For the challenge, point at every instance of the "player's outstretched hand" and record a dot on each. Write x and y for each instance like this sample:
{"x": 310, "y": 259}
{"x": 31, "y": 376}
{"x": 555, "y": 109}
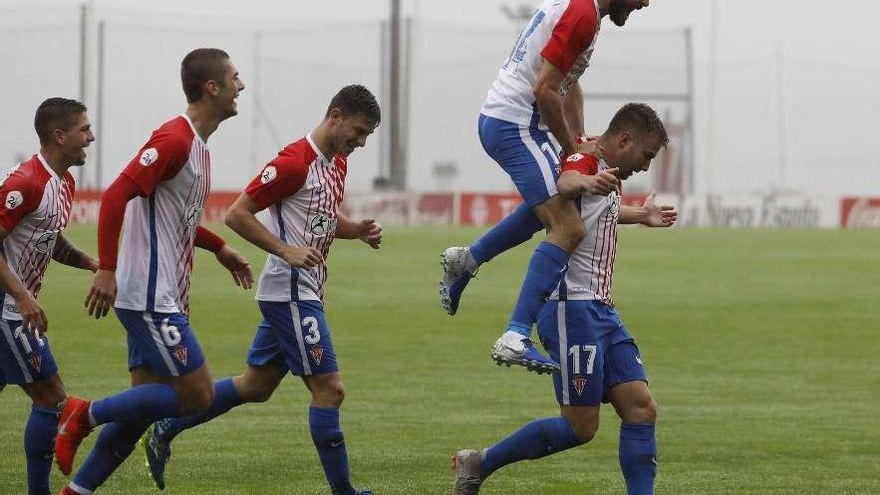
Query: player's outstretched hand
{"x": 237, "y": 265}
{"x": 658, "y": 215}
{"x": 33, "y": 318}
{"x": 102, "y": 294}
{"x": 301, "y": 257}
{"x": 602, "y": 183}
{"x": 370, "y": 232}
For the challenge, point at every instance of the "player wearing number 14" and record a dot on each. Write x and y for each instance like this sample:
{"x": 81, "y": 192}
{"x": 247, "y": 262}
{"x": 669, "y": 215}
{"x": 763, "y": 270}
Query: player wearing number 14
{"x": 302, "y": 190}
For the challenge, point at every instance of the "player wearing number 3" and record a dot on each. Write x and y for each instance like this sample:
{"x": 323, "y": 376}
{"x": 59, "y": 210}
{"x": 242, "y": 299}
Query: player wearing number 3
{"x": 302, "y": 188}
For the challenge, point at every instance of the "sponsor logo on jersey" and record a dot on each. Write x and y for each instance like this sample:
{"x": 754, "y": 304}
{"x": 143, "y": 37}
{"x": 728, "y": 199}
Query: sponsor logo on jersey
{"x": 614, "y": 203}
{"x": 180, "y": 352}
{"x": 46, "y": 243}
{"x": 13, "y": 199}
{"x": 193, "y": 215}
{"x": 36, "y": 361}
{"x": 317, "y": 354}
{"x": 11, "y": 307}
{"x": 321, "y": 225}
{"x": 579, "y": 383}
{"x": 268, "y": 175}
{"x": 149, "y": 156}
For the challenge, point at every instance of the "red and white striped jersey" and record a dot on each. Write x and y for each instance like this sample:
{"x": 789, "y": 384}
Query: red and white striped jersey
{"x": 564, "y": 33}
{"x": 36, "y": 208}
{"x": 173, "y": 173}
{"x": 302, "y": 190}
{"x": 591, "y": 265}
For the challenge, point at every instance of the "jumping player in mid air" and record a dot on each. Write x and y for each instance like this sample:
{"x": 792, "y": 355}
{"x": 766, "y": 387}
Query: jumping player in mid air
{"x": 302, "y": 188}
{"x": 160, "y": 194}
{"x": 581, "y": 329}
{"x": 37, "y": 196}
{"x": 536, "y": 95}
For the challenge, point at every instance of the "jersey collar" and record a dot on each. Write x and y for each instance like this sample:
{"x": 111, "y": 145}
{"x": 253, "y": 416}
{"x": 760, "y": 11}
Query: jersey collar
{"x": 42, "y": 160}
{"x": 195, "y": 132}
{"x": 317, "y": 151}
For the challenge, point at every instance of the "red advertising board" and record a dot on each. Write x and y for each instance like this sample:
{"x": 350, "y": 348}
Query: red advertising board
{"x": 860, "y": 213}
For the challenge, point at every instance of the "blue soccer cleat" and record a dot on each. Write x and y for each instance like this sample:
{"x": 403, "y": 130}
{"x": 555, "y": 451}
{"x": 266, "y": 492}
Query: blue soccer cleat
{"x": 513, "y": 348}
{"x": 456, "y": 276}
{"x": 157, "y": 450}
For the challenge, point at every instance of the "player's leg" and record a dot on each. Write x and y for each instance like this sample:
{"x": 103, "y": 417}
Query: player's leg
{"x": 26, "y": 360}
{"x": 637, "y": 409}
{"x": 173, "y": 380}
{"x": 501, "y": 141}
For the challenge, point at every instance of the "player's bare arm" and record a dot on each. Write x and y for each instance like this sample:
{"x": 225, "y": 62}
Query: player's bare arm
{"x": 33, "y": 318}
{"x": 649, "y": 214}
{"x": 572, "y": 183}
{"x": 573, "y": 108}
{"x": 549, "y": 100}
{"x": 66, "y": 253}
{"x": 226, "y": 255}
{"x": 367, "y": 230}
{"x": 242, "y": 219}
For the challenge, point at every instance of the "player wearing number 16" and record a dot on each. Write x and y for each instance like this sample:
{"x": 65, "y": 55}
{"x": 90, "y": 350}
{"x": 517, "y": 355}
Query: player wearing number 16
{"x": 302, "y": 189}
{"x": 160, "y": 194}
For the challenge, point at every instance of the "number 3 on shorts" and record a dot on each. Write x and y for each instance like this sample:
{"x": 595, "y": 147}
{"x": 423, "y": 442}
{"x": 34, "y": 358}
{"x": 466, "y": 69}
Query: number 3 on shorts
{"x": 310, "y": 323}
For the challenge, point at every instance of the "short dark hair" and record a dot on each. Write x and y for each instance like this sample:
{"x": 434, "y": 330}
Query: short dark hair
{"x": 198, "y": 67}
{"x": 640, "y": 118}
{"x": 56, "y": 113}
{"x": 355, "y": 99}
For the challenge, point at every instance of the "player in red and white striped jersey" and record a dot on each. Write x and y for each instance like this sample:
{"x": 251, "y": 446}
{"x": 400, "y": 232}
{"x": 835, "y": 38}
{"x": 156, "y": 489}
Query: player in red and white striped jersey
{"x": 302, "y": 188}
{"x": 160, "y": 195}
{"x": 580, "y": 328}
{"x": 37, "y": 196}
{"x": 535, "y": 94}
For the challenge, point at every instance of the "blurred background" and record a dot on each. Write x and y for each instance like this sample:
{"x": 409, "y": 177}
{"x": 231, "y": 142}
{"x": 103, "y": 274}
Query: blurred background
{"x": 771, "y": 105}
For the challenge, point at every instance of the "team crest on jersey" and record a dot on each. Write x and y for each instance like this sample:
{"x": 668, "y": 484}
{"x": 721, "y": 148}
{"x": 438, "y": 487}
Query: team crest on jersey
{"x": 268, "y": 175}
{"x": 574, "y": 157}
{"x": 180, "y": 353}
{"x": 36, "y": 361}
{"x": 579, "y": 383}
{"x": 149, "y": 156}
{"x": 46, "y": 243}
{"x": 13, "y": 200}
{"x": 614, "y": 203}
{"x": 321, "y": 225}
{"x": 317, "y": 354}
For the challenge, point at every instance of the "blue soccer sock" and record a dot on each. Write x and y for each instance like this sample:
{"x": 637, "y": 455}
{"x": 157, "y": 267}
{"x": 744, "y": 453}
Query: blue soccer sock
{"x": 513, "y": 230}
{"x": 147, "y": 402}
{"x": 39, "y": 446}
{"x": 537, "y": 439}
{"x": 225, "y": 398}
{"x": 327, "y": 435}
{"x": 638, "y": 457}
{"x": 115, "y": 443}
{"x": 543, "y": 275}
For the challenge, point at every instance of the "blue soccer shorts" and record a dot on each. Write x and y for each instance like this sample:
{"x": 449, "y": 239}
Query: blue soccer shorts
{"x": 594, "y": 350}
{"x": 24, "y": 357}
{"x": 162, "y": 342}
{"x": 526, "y": 153}
{"x": 294, "y": 336}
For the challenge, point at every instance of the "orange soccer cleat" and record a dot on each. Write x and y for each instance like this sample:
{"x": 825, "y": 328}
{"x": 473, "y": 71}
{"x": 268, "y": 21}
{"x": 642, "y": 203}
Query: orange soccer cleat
{"x": 73, "y": 427}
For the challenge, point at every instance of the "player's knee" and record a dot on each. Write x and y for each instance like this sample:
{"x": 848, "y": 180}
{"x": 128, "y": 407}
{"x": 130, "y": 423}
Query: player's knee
{"x": 197, "y": 401}
{"x": 583, "y": 425}
{"x": 260, "y": 393}
{"x": 643, "y": 411}
{"x": 573, "y": 234}
{"x": 330, "y": 395}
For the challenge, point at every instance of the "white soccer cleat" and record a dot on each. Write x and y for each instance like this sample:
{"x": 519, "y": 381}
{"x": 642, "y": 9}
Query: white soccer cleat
{"x": 513, "y": 348}
{"x": 456, "y": 276}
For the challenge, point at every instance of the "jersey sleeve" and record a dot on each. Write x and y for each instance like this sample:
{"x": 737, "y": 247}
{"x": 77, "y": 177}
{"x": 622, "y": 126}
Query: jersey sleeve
{"x": 585, "y": 164}
{"x": 162, "y": 157}
{"x": 572, "y": 34}
{"x": 279, "y": 179}
{"x": 19, "y": 197}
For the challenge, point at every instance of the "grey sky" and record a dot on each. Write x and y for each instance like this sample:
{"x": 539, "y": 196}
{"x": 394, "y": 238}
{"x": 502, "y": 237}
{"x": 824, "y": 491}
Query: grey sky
{"x": 830, "y": 70}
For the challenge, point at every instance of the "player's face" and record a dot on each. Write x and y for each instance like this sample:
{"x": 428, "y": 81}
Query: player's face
{"x": 230, "y": 88}
{"x": 619, "y": 10}
{"x": 634, "y": 153}
{"x": 74, "y": 141}
{"x": 352, "y": 133}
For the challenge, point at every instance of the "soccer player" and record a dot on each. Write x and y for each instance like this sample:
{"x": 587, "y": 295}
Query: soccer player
{"x": 582, "y": 330}
{"x": 37, "y": 195}
{"x": 302, "y": 188}
{"x": 536, "y": 94}
{"x": 160, "y": 194}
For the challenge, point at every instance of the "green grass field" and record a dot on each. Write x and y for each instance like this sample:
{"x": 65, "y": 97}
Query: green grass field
{"x": 762, "y": 347}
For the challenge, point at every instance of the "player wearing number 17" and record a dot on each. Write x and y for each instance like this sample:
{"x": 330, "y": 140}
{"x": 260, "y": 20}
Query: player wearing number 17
{"x": 302, "y": 189}
{"x": 160, "y": 194}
